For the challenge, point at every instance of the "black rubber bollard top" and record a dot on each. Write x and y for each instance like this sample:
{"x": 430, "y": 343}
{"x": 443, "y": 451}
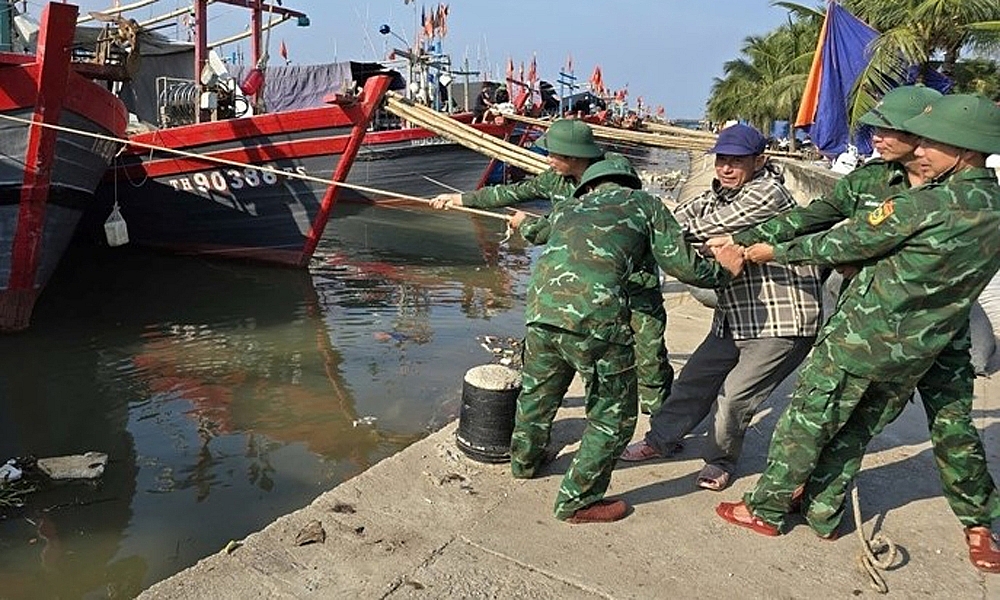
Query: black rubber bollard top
{"x": 486, "y": 421}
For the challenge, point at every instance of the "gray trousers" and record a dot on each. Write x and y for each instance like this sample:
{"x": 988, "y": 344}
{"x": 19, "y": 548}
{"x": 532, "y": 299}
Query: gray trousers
{"x": 746, "y": 370}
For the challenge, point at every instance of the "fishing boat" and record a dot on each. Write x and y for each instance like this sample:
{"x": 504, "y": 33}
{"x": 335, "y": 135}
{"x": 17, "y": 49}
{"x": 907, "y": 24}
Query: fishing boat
{"x": 241, "y": 159}
{"x": 48, "y": 168}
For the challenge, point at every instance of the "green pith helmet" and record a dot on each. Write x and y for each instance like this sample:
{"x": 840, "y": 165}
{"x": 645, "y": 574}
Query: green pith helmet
{"x": 968, "y": 121}
{"x": 898, "y": 105}
{"x": 570, "y": 137}
{"x": 614, "y": 166}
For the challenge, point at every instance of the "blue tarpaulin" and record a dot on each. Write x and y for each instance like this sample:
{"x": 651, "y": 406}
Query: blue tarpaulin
{"x": 843, "y": 53}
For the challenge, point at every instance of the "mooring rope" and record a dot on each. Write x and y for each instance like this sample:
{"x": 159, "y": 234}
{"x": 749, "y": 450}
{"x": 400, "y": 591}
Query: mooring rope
{"x": 872, "y": 548}
{"x": 265, "y": 169}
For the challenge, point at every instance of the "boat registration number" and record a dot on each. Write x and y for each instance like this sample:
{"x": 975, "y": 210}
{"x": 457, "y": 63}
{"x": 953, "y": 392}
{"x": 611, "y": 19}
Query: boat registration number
{"x": 228, "y": 180}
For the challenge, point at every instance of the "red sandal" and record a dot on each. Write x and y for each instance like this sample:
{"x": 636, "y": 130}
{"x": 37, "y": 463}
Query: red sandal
{"x": 727, "y": 510}
{"x": 983, "y": 550}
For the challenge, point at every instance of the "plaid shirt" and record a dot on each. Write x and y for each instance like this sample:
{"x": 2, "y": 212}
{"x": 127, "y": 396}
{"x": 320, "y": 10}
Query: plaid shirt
{"x": 768, "y": 300}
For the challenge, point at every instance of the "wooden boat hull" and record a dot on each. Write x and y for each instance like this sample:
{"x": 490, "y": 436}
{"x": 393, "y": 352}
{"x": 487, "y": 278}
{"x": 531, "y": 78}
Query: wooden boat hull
{"x": 47, "y": 173}
{"x": 187, "y": 206}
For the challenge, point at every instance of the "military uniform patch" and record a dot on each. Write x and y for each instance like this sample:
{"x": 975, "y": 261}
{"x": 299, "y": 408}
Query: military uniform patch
{"x": 880, "y": 214}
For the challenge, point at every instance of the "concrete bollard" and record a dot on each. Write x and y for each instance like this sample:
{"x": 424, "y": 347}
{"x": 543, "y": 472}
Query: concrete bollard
{"x": 486, "y": 420}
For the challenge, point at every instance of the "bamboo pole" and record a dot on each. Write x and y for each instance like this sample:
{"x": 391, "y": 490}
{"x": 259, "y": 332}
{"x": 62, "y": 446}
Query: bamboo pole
{"x": 264, "y": 169}
{"x": 662, "y": 128}
{"x": 468, "y": 136}
{"x": 465, "y": 135}
{"x": 676, "y": 141}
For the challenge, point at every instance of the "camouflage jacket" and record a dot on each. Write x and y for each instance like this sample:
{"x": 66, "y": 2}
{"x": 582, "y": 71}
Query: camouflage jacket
{"x": 557, "y": 189}
{"x": 934, "y": 249}
{"x": 862, "y": 189}
{"x": 596, "y": 243}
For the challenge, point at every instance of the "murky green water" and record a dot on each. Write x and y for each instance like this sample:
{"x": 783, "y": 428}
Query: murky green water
{"x": 227, "y": 394}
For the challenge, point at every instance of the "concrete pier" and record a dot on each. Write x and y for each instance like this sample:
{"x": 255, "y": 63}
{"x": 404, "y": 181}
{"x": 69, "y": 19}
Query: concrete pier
{"x": 431, "y": 523}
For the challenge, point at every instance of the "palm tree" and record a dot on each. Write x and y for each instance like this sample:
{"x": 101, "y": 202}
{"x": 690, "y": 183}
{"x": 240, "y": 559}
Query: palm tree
{"x": 766, "y": 83}
{"x": 916, "y": 32}
{"x": 913, "y": 32}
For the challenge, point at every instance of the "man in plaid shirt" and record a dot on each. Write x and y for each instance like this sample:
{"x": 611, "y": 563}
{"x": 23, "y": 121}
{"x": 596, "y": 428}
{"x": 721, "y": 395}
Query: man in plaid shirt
{"x": 764, "y": 324}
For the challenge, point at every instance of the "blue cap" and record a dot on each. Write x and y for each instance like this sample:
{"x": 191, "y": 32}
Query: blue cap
{"x": 739, "y": 140}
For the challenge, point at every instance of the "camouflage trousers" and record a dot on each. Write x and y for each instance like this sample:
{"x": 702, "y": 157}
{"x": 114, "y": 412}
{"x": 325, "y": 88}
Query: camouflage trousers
{"x": 652, "y": 363}
{"x": 946, "y": 391}
{"x": 820, "y": 439}
{"x": 551, "y": 357}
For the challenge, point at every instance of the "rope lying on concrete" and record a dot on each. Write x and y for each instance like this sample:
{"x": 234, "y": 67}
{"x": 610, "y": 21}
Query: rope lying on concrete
{"x": 872, "y": 548}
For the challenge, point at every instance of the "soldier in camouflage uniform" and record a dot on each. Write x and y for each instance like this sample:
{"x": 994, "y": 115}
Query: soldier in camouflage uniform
{"x": 928, "y": 253}
{"x": 946, "y": 390}
{"x": 577, "y": 315}
{"x": 571, "y": 150}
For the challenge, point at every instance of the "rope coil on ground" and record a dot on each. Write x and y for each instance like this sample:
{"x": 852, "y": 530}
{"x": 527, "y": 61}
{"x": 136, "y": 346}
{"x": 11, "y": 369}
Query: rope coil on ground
{"x": 878, "y": 553}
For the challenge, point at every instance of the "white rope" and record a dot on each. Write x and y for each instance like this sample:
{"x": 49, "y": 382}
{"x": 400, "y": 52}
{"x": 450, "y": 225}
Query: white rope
{"x": 262, "y": 168}
{"x": 877, "y": 554}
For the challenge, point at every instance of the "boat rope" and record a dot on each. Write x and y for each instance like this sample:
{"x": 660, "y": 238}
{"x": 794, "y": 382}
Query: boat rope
{"x": 878, "y": 553}
{"x": 265, "y": 169}
{"x": 450, "y": 188}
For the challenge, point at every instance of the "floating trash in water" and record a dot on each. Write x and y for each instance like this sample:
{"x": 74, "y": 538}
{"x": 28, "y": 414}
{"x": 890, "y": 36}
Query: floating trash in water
{"x": 366, "y": 420}
{"x": 89, "y": 465}
{"x": 9, "y": 472}
{"x": 390, "y": 336}
{"x": 505, "y": 350}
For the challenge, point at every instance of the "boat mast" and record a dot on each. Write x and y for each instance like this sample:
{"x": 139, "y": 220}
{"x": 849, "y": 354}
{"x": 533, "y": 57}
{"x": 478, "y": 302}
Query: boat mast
{"x": 257, "y": 8}
{"x": 6, "y": 25}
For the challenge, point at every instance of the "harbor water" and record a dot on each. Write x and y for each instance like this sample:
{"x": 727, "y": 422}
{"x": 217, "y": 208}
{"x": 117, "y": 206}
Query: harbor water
{"x": 228, "y": 394}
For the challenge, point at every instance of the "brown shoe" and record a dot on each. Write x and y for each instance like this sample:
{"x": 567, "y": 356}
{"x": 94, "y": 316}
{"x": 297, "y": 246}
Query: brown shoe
{"x": 796, "y": 503}
{"x": 640, "y": 451}
{"x": 602, "y": 511}
{"x": 983, "y": 550}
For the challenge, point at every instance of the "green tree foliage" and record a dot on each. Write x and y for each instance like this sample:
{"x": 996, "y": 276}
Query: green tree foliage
{"x": 766, "y": 82}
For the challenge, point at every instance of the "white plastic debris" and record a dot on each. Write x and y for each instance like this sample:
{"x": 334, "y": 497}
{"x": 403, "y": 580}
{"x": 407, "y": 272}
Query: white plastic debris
{"x": 75, "y": 466}
{"x": 115, "y": 228}
{"x": 9, "y": 471}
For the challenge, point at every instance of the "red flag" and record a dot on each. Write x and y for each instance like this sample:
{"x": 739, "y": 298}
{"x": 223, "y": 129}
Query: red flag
{"x": 427, "y": 20}
{"x": 283, "y": 51}
{"x": 442, "y": 20}
{"x": 532, "y": 70}
{"x": 597, "y": 80}
{"x": 660, "y": 111}
{"x": 569, "y": 64}
{"x": 510, "y": 75}
{"x": 520, "y": 73}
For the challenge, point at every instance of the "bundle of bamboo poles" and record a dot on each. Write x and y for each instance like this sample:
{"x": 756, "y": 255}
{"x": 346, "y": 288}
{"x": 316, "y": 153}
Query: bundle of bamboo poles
{"x": 693, "y": 140}
{"x": 465, "y": 135}
{"x": 664, "y": 128}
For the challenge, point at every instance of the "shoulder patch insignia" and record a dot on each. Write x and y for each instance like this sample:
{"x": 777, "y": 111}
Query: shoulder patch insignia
{"x": 880, "y": 214}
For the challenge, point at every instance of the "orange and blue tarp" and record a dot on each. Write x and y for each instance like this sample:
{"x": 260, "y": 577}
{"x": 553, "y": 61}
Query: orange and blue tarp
{"x": 842, "y": 53}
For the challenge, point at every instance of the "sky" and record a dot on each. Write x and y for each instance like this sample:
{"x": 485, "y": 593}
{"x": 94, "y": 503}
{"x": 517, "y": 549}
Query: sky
{"x": 666, "y": 51}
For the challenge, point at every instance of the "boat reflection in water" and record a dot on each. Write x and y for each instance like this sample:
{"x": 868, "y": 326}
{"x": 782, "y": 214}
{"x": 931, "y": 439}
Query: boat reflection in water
{"x": 227, "y": 395}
